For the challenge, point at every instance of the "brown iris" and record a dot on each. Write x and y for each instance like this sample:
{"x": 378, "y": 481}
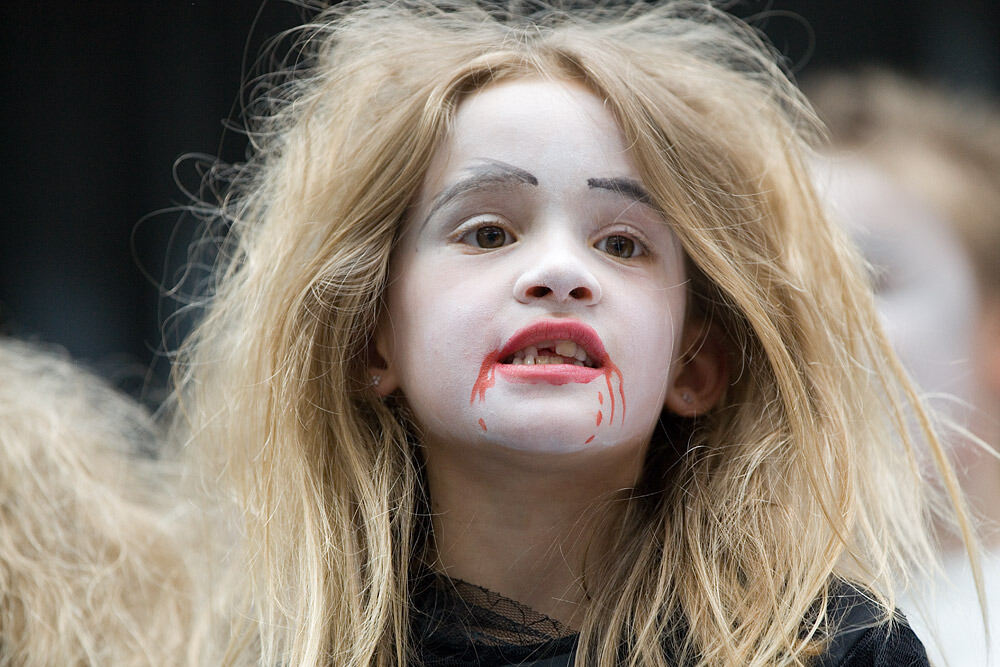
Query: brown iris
{"x": 619, "y": 246}
{"x": 490, "y": 237}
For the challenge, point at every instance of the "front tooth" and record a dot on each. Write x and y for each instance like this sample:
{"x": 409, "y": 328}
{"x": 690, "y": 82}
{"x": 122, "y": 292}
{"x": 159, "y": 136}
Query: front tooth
{"x": 581, "y": 354}
{"x": 529, "y": 359}
{"x": 531, "y": 351}
{"x": 566, "y": 348}
{"x": 518, "y": 361}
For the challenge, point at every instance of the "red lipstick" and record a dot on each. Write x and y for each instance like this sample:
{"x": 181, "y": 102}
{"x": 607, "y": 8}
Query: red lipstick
{"x": 557, "y": 374}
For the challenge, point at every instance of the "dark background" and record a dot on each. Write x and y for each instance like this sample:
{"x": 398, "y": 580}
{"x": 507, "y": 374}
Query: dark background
{"x": 101, "y": 99}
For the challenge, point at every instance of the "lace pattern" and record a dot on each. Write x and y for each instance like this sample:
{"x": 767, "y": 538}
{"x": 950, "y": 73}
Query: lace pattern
{"x": 458, "y": 623}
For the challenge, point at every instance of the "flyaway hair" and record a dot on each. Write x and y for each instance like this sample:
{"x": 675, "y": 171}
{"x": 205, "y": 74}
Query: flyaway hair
{"x": 745, "y": 519}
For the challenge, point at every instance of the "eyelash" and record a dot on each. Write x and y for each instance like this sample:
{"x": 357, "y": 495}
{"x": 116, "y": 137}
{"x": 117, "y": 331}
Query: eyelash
{"x": 465, "y": 235}
{"x": 639, "y": 246}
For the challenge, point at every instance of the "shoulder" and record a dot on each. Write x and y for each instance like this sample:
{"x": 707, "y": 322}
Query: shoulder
{"x": 863, "y": 637}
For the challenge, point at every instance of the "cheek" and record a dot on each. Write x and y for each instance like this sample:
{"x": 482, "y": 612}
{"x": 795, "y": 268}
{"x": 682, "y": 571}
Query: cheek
{"x": 660, "y": 336}
{"x": 438, "y": 332}
{"x": 648, "y": 364}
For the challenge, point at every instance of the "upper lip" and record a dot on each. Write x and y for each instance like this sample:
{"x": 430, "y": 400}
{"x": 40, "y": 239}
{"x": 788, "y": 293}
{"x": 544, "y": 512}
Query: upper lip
{"x": 556, "y": 330}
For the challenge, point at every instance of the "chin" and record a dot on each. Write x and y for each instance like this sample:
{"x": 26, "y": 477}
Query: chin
{"x": 553, "y": 438}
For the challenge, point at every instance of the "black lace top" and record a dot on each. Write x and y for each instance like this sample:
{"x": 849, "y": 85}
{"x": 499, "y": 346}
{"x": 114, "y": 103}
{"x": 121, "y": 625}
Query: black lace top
{"x": 463, "y": 625}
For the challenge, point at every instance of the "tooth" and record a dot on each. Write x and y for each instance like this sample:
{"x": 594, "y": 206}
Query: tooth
{"x": 566, "y": 348}
{"x": 531, "y": 351}
{"x": 518, "y": 361}
{"x": 581, "y": 354}
{"x": 577, "y": 362}
{"x": 529, "y": 360}
{"x": 546, "y": 345}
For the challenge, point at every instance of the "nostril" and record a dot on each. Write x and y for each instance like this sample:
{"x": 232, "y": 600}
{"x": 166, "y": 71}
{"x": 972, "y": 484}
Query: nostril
{"x": 580, "y": 293}
{"x": 538, "y": 291}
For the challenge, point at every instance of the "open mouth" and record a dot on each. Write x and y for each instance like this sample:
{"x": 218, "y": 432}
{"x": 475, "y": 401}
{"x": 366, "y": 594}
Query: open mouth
{"x": 554, "y": 342}
{"x": 551, "y": 352}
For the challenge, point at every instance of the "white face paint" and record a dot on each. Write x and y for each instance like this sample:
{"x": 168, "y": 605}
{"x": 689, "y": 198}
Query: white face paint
{"x": 531, "y": 238}
{"x": 924, "y": 287}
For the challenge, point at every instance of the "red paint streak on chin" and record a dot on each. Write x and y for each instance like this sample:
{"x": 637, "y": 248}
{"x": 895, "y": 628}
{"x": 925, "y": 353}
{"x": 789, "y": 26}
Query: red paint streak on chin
{"x": 609, "y": 370}
{"x": 600, "y": 416}
{"x": 486, "y": 379}
{"x": 600, "y": 398}
{"x": 587, "y": 441}
{"x": 482, "y": 423}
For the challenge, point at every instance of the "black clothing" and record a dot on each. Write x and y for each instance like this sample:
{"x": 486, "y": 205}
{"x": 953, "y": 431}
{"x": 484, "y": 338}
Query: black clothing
{"x": 463, "y": 625}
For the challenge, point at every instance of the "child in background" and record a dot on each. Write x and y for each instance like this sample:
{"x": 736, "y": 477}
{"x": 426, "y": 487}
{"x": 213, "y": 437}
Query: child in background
{"x": 915, "y": 174}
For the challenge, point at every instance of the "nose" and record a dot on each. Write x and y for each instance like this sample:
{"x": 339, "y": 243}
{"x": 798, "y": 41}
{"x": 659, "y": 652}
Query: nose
{"x": 560, "y": 277}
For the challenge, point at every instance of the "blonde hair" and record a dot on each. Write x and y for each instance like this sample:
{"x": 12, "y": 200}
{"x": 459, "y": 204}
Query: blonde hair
{"x": 92, "y": 567}
{"x": 745, "y": 519}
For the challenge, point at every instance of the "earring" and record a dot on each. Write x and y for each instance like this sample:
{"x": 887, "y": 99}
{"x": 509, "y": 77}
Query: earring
{"x": 686, "y": 397}
{"x": 376, "y": 378}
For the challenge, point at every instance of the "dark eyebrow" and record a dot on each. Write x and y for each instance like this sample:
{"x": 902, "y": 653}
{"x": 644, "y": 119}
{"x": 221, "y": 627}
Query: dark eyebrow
{"x": 484, "y": 174}
{"x": 626, "y": 187}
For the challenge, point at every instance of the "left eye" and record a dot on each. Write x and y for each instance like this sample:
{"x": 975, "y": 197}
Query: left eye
{"x": 487, "y": 237}
{"x": 618, "y": 245}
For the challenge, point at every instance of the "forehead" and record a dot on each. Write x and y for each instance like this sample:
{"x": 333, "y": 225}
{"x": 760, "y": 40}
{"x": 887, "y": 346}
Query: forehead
{"x": 554, "y": 129}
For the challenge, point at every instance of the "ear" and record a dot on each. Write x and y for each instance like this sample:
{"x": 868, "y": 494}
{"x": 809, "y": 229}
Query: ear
{"x": 702, "y": 370}
{"x": 381, "y": 373}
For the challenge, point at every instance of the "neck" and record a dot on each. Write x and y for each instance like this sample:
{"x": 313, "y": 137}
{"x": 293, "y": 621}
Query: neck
{"x": 526, "y": 524}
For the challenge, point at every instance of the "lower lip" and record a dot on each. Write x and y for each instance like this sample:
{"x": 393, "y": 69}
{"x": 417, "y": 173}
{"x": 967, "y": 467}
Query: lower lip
{"x": 549, "y": 373}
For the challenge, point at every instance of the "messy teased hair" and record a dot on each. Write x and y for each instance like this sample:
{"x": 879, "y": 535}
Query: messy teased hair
{"x": 804, "y": 475}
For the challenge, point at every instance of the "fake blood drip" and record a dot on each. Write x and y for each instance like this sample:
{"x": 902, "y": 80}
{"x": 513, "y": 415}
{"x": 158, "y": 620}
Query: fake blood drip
{"x": 609, "y": 370}
{"x": 487, "y": 378}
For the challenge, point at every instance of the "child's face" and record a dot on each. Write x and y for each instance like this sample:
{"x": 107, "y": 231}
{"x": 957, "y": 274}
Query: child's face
{"x": 531, "y": 237}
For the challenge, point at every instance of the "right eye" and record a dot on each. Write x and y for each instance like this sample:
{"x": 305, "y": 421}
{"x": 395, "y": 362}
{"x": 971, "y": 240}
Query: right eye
{"x": 487, "y": 236}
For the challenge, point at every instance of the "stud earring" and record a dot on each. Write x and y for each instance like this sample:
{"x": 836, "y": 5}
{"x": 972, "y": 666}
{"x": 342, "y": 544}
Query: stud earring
{"x": 686, "y": 397}
{"x": 376, "y": 378}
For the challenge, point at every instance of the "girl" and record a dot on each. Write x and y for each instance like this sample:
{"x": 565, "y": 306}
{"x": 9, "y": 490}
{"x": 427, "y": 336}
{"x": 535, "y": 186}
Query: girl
{"x": 531, "y": 343}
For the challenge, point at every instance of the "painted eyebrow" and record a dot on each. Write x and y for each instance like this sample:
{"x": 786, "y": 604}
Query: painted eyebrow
{"x": 626, "y": 187}
{"x": 485, "y": 174}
